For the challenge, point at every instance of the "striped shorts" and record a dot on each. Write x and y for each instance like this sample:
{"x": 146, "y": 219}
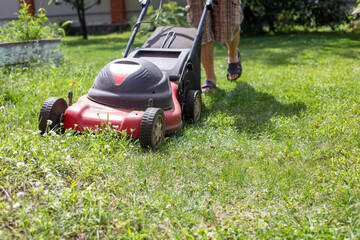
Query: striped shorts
{"x": 221, "y": 24}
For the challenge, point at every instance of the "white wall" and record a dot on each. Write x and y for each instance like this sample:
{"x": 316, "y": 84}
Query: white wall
{"x": 94, "y": 16}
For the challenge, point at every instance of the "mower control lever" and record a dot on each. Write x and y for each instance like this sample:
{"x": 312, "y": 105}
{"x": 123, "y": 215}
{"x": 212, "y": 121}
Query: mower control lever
{"x": 70, "y": 96}
{"x": 170, "y": 36}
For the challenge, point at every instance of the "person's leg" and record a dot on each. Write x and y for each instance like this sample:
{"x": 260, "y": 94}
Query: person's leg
{"x": 233, "y": 54}
{"x": 207, "y": 60}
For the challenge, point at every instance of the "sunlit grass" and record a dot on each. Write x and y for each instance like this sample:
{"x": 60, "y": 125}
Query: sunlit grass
{"x": 276, "y": 154}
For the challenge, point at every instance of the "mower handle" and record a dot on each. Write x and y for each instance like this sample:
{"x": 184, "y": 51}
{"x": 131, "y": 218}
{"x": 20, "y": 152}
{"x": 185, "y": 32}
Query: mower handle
{"x": 144, "y": 4}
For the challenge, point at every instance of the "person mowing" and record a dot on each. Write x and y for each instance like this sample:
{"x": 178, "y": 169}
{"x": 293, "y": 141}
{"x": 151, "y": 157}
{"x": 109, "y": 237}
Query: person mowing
{"x": 223, "y": 25}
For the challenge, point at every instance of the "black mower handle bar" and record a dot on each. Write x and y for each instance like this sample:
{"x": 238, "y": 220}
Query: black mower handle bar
{"x": 144, "y": 4}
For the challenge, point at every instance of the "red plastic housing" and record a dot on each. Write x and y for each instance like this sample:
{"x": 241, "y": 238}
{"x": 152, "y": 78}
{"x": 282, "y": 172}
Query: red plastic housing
{"x": 87, "y": 115}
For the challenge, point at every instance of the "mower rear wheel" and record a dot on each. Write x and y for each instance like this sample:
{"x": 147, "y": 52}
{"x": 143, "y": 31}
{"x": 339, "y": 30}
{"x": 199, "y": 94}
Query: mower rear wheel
{"x": 52, "y": 115}
{"x": 192, "y": 106}
{"x": 152, "y": 129}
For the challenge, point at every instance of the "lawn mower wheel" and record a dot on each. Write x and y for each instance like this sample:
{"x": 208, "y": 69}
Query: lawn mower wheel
{"x": 152, "y": 129}
{"x": 52, "y": 115}
{"x": 192, "y": 106}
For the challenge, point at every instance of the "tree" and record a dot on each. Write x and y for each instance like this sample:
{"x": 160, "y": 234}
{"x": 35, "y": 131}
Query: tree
{"x": 81, "y": 6}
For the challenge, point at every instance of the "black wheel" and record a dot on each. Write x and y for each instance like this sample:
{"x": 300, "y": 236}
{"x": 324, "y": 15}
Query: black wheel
{"x": 192, "y": 106}
{"x": 52, "y": 115}
{"x": 152, "y": 129}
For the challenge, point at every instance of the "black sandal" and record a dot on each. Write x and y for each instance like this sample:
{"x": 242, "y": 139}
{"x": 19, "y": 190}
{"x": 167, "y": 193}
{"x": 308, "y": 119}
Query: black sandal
{"x": 234, "y": 68}
{"x": 208, "y": 84}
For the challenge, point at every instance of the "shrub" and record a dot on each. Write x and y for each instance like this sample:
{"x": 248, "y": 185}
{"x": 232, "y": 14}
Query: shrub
{"x": 262, "y": 14}
{"x": 355, "y": 24}
{"x": 28, "y": 27}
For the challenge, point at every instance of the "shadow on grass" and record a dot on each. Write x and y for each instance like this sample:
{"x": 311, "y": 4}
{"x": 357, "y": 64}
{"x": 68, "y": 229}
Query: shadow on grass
{"x": 295, "y": 49}
{"x": 250, "y": 110}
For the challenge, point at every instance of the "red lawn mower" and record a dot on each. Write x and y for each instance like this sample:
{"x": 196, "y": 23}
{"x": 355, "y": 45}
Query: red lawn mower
{"x": 147, "y": 94}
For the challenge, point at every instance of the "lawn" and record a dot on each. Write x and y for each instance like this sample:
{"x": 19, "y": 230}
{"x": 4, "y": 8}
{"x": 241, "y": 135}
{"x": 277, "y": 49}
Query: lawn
{"x": 276, "y": 154}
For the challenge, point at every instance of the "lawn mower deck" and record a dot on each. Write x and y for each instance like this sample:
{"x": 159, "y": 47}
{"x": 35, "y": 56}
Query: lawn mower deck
{"x": 87, "y": 115}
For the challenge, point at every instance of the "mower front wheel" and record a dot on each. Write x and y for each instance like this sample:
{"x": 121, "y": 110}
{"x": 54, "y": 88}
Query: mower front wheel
{"x": 52, "y": 115}
{"x": 152, "y": 129}
{"x": 192, "y": 106}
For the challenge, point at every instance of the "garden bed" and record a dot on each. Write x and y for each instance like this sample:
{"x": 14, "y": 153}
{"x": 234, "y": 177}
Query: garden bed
{"x": 20, "y": 52}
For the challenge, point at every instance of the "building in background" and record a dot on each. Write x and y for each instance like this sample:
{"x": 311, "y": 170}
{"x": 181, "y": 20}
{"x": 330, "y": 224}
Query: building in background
{"x": 109, "y": 12}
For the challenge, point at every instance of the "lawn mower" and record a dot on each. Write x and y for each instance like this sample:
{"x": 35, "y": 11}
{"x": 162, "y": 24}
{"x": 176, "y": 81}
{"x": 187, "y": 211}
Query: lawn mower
{"x": 147, "y": 93}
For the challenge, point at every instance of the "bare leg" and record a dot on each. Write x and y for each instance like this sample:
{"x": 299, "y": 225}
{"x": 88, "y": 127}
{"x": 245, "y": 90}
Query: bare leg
{"x": 207, "y": 60}
{"x": 232, "y": 53}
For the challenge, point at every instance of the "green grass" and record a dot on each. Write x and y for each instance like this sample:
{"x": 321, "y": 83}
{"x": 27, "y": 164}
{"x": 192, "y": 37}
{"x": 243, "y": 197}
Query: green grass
{"x": 276, "y": 155}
